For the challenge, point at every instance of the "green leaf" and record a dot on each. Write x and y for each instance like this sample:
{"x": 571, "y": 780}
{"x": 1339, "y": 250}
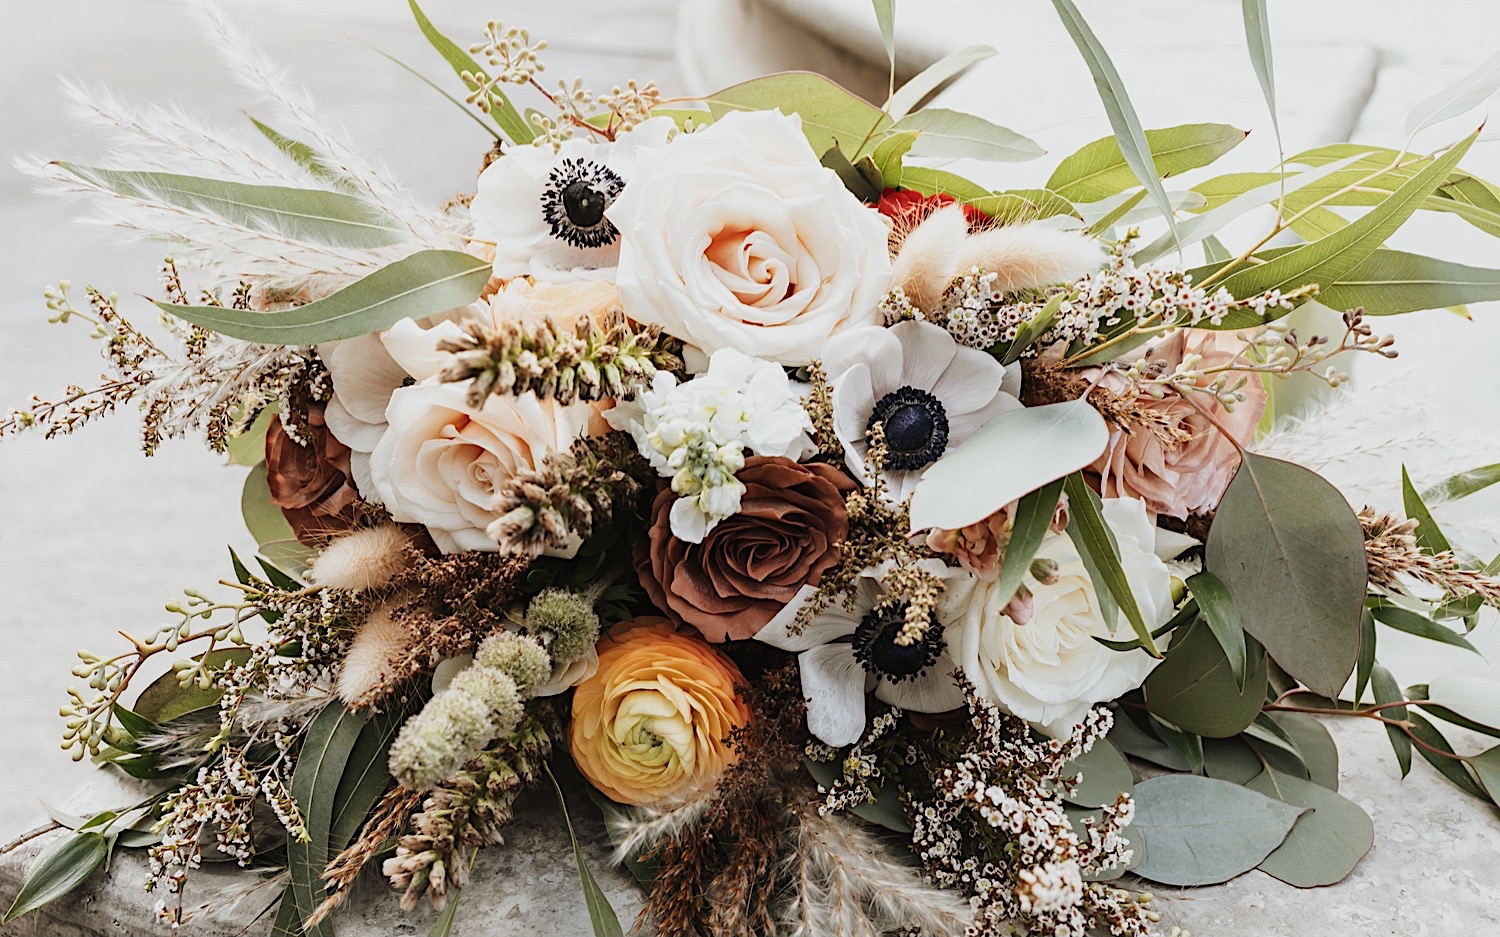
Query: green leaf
{"x": 1099, "y": 170}
{"x": 1033, "y": 518}
{"x": 426, "y": 283}
{"x": 1187, "y": 744}
{"x": 1328, "y": 261}
{"x": 885, "y": 810}
{"x": 1475, "y": 698}
{"x": 889, "y": 154}
{"x": 303, "y": 155}
{"x": 1016, "y": 452}
{"x": 326, "y": 747}
{"x": 265, "y": 522}
{"x": 1131, "y": 739}
{"x": 1390, "y": 282}
{"x": 1106, "y": 774}
{"x": 1327, "y": 841}
{"x": 310, "y": 216}
{"x": 954, "y": 134}
{"x": 1258, "y": 40}
{"x": 853, "y": 180}
{"x": 1195, "y": 687}
{"x": 1122, "y": 206}
{"x": 1223, "y": 619}
{"x": 249, "y": 447}
{"x": 1016, "y": 206}
{"x": 1487, "y": 766}
{"x": 930, "y": 181}
{"x": 1292, "y": 554}
{"x": 1230, "y": 760}
{"x": 1122, "y": 117}
{"x": 1454, "y": 769}
{"x": 1464, "y": 95}
{"x": 1318, "y": 756}
{"x": 367, "y": 774}
{"x": 1429, "y": 537}
{"x": 1214, "y": 250}
{"x": 505, "y": 115}
{"x": 601, "y": 915}
{"x": 1386, "y": 690}
{"x": 831, "y": 116}
{"x": 165, "y": 699}
{"x": 1403, "y": 619}
{"x": 1096, "y": 542}
{"x": 443, "y": 926}
{"x": 909, "y": 95}
{"x": 57, "y": 870}
{"x": 1464, "y": 484}
{"x": 1366, "y": 655}
{"x": 885, "y": 17}
{"x": 1201, "y": 831}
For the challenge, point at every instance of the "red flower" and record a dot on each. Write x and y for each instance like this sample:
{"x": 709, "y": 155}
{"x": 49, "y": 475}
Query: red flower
{"x": 907, "y": 208}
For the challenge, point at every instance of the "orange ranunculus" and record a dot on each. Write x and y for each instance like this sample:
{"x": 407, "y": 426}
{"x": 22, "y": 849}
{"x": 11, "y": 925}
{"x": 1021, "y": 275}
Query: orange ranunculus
{"x": 653, "y": 724}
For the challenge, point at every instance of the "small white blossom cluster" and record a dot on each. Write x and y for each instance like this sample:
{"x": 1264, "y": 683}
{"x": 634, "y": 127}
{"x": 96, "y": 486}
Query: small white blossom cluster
{"x": 699, "y": 433}
{"x": 1122, "y": 291}
{"x": 861, "y": 774}
{"x": 980, "y": 316}
{"x": 996, "y": 830}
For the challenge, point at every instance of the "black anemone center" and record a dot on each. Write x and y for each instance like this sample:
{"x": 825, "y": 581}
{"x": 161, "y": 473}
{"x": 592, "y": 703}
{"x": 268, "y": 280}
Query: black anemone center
{"x": 573, "y": 203}
{"x": 916, "y": 428}
{"x": 875, "y": 645}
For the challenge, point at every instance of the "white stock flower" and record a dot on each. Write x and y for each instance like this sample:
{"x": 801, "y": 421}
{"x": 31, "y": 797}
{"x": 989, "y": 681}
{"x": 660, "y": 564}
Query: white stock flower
{"x": 843, "y": 653}
{"x": 442, "y": 462}
{"x": 544, "y": 208}
{"x": 1050, "y": 671}
{"x": 737, "y": 237}
{"x": 930, "y": 392}
{"x": 698, "y": 433}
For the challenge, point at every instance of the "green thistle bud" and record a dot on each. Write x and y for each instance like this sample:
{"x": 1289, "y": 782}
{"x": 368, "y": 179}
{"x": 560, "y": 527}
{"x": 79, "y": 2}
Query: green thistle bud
{"x": 521, "y": 657}
{"x": 569, "y": 618}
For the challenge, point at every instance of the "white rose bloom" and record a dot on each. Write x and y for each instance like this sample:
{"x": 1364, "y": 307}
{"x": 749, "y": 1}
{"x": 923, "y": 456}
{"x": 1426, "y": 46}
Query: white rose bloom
{"x": 697, "y": 433}
{"x": 1050, "y": 671}
{"x": 737, "y": 237}
{"x": 544, "y": 209}
{"x": 441, "y": 462}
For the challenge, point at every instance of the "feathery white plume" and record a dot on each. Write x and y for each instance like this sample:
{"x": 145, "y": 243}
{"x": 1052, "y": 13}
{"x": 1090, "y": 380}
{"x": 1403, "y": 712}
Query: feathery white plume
{"x": 927, "y": 260}
{"x": 1030, "y": 256}
{"x": 361, "y": 559}
{"x": 376, "y": 647}
{"x": 638, "y": 828}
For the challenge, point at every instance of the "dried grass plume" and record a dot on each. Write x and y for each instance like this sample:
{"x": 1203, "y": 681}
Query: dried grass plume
{"x": 379, "y": 647}
{"x": 362, "y": 559}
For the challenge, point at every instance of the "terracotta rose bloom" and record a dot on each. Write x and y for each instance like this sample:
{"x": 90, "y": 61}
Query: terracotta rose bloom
{"x": 751, "y": 564}
{"x": 310, "y": 483}
{"x": 1186, "y": 477}
{"x": 653, "y": 724}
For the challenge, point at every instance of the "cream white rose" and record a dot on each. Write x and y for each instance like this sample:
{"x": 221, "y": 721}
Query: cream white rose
{"x": 737, "y": 237}
{"x": 441, "y": 462}
{"x": 1050, "y": 670}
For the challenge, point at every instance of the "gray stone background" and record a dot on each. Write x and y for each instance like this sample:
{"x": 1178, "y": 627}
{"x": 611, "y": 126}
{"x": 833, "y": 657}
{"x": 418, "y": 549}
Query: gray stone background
{"x": 93, "y": 537}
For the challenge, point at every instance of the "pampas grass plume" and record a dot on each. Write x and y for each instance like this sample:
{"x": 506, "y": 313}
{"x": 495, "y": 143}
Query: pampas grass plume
{"x": 1029, "y": 256}
{"x": 928, "y": 259}
{"x": 378, "y": 644}
{"x": 362, "y": 559}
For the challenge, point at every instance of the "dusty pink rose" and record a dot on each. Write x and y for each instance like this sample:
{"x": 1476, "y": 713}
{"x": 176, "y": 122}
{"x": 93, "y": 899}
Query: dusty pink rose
{"x": 979, "y": 546}
{"x": 1181, "y": 478}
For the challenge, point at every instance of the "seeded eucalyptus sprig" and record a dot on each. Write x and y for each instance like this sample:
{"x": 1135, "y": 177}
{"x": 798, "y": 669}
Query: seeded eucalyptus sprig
{"x": 585, "y": 362}
{"x": 570, "y": 493}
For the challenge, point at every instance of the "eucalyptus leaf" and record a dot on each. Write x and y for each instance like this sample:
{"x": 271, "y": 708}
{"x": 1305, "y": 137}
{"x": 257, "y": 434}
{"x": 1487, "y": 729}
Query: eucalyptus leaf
{"x": 1188, "y": 744}
{"x": 367, "y": 774}
{"x": 885, "y": 18}
{"x": 1201, "y": 831}
{"x": 953, "y": 134}
{"x": 424, "y": 284}
{"x": 304, "y": 156}
{"x": 853, "y": 180}
{"x": 1230, "y": 760}
{"x": 505, "y": 115}
{"x": 1429, "y": 536}
{"x": 831, "y": 116}
{"x": 1327, "y": 261}
{"x": 928, "y": 181}
{"x": 1410, "y": 622}
{"x": 1099, "y": 170}
{"x": 1391, "y": 282}
{"x": 1366, "y": 663}
{"x": 265, "y": 522}
{"x": 64, "y": 865}
{"x": 1464, "y": 484}
{"x": 1195, "y": 687}
{"x": 1318, "y": 755}
{"x": 1105, "y": 775}
{"x": 310, "y": 216}
{"x": 1016, "y": 452}
{"x": 929, "y": 79}
{"x": 1258, "y": 40}
{"x": 888, "y": 155}
{"x": 1448, "y": 764}
{"x": 1223, "y": 619}
{"x": 249, "y": 446}
{"x": 1464, "y": 95}
{"x": 1486, "y": 765}
{"x": 1096, "y": 544}
{"x": 164, "y": 699}
{"x": 1387, "y": 691}
{"x": 1033, "y": 518}
{"x": 443, "y": 926}
{"x": 1473, "y": 697}
{"x": 1138, "y": 743}
{"x": 1291, "y": 552}
{"x": 603, "y": 918}
{"x": 1327, "y": 841}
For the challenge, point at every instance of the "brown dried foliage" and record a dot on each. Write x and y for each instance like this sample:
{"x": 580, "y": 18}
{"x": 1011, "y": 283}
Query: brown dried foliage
{"x": 1047, "y": 382}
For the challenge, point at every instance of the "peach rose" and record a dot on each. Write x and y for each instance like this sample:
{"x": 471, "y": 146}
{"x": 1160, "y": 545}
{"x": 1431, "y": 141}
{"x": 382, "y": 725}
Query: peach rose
{"x": 653, "y": 724}
{"x": 1189, "y": 477}
{"x": 980, "y": 546}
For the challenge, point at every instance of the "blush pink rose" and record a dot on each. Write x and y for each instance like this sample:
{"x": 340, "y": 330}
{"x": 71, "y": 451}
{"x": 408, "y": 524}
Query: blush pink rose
{"x": 1181, "y": 478}
{"x": 980, "y": 546}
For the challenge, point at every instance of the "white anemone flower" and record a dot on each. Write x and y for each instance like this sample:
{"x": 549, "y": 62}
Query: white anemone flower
{"x": 930, "y": 392}
{"x": 544, "y": 209}
{"x": 843, "y": 654}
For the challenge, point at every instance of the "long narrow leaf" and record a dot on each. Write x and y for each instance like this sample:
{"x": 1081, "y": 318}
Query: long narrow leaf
{"x": 1034, "y": 514}
{"x": 1122, "y": 116}
{"x": 1386, "y": 690}
{"x": 504, "y": 113}
{"x": 1223, "y": 620}
{"x": 1258, "y": 39}
{"x": 954, "y": 135}
{"x": 424, "y": 284}
{"x": 303, "y": 155}
{"x": 909, "y": 95}
{"x": 1097, "y": 543}
{"x": 59, "y": 869}
{"x": 885, "y": 18}
{"x": 1463, "y": 484}
{"x": 1452, "y": 768}
{"x": 1429, "y": 536}
{"x": 1465, "y": 95}
{"x": 601, "y": 915}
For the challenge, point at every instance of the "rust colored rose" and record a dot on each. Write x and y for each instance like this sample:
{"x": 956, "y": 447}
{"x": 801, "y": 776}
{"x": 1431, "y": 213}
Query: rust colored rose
{"x": 653, "y": 724}
{"x": 751, "y": 564}
{"x": 311, "y": 483}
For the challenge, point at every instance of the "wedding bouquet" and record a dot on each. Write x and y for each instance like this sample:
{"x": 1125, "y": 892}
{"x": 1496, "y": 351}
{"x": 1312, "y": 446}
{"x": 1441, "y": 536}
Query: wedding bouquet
{"x": 888, "y": 554}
